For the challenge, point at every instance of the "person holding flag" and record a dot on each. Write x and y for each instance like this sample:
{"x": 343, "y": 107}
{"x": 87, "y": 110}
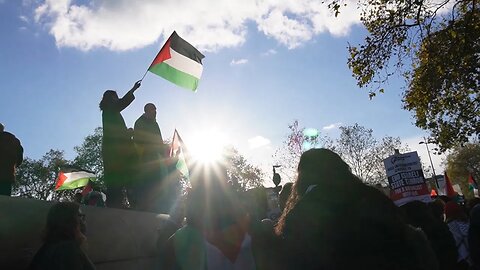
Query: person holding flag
{"x": 118, "y": 152}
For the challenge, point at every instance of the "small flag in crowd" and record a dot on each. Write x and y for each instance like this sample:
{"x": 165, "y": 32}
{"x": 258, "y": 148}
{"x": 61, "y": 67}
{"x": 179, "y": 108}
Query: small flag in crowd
{"x": 178, "y": 62}
{"x": 177, "y": 150}
{"x": 472, "y": 184}
{"x": 449, "y": 191}
{"x": 87, "y": 189}
{"x": 71, "y": 178}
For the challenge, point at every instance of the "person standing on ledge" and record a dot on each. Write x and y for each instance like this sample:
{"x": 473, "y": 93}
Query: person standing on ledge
{"x": 10, "y": 158}
{"x": 151, "y": 150}
{"x": 118, "y": 151}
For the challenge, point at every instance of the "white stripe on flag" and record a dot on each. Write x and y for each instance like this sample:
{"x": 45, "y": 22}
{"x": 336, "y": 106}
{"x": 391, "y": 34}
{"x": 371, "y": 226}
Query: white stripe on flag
{"x": 73, "y": 176}
{"x": 185, "y": 64}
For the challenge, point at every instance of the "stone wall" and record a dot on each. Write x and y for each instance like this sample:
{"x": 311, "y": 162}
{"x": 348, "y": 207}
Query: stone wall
{"x": 117, "y": 239}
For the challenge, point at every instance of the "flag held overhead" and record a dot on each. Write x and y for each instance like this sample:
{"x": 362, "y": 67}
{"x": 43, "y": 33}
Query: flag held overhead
{"x": 178, "y": 62}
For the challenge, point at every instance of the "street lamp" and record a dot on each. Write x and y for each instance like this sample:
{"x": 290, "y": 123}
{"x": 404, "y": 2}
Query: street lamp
{"x": 429, "y": 157}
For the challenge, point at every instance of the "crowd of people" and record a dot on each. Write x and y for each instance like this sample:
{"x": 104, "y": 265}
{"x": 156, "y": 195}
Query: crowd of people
{"x": 329, "y": 218}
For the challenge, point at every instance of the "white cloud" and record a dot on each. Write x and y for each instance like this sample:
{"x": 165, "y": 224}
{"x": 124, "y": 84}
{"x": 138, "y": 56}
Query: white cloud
{"x": 24, "y": 19}
{"x": 258, "y": 141}
{"x": 332, "y": 126}
{"x": 238, "y": 62}
{"x": 123, "y": 24}
{"x": 269, "y": 52}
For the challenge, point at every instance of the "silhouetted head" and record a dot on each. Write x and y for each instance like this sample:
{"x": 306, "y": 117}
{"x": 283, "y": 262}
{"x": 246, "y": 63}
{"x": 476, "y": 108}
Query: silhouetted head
{"x": 321, "y": 167}
{"x": 65, "y": 221}
{"x": 109, "y": 98}
{"x": 2, "y": 127}
{"x": 326, "y": 170}
{"x": 150, "y": 111}
{"x": 284, "y": 194}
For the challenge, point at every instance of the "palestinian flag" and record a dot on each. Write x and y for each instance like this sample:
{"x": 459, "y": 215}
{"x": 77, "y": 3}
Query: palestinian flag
{"x": 176, "y": 150}
{"x": 179, "y": 62}
{"x": 472, "y": 184}
{"x": 449, "y": 191}
{"x": 71, "y": 178}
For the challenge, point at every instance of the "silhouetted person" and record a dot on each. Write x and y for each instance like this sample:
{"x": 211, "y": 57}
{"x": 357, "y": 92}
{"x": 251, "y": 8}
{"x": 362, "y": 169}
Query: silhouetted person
{"x": 151, "y": 150}
{"x": 334, "y": 221}
{"x": 64, "y": 238}
{"x": 217, "y": 232}
{"x": 474, "y": 237}
{"x": 457, "y": 221}
{"x": 420, "y": 215}
{"x": 11, "y": 156}
{"x": 284, "y": 194}
{"x": 438, "y": 209}
{"x": 118, "y": 151}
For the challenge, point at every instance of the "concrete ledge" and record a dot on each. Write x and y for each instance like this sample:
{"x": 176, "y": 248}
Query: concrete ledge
{"x": 117, "y": 239}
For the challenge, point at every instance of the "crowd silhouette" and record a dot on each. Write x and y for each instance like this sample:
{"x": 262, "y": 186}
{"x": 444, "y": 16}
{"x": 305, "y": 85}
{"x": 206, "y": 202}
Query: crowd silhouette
{"x": 329, "y": 218}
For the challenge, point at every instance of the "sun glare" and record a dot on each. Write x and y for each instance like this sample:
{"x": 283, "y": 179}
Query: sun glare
{"x": 207, "y": 146}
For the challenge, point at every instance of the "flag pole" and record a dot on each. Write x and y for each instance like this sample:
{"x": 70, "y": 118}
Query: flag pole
{"x": 144, "y": 74}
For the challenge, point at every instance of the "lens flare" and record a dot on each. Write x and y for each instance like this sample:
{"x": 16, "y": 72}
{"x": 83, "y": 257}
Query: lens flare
{"x": 207, "y": 146}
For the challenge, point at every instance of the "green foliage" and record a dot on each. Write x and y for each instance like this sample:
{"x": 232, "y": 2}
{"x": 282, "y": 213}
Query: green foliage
{"x": 242, "y": 174}
{"x": 37, "y": 178}
{"x": 89, "y": 156}
{"x": 444, "y": 89}
{"x": 435, "y": 45}
{"x": 463, "y": 161}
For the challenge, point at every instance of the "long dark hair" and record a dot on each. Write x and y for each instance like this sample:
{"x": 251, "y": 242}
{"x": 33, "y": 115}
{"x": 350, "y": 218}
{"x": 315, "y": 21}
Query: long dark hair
{"x": 62, "y": 222}
{"x": 107, "y": 99}
{"x": 320, "y": 167}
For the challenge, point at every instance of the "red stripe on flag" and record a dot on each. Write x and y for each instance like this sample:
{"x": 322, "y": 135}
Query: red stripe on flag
{"x": 175, "y": 144}
{"x": 61, "y": 180}
{"x": 162, "y": 55}
{"x": 450, "y": 192}
{"x": 87, "y": 189}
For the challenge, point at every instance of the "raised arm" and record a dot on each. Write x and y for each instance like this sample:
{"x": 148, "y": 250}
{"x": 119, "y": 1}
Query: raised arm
{"x": 128, "y": 97}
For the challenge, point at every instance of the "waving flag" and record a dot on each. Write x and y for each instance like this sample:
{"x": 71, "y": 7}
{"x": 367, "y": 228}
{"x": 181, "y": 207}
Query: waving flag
{"x": 176, "y": 150}
{"x": 472, "y": 183}
{"x": 449, "y": 191}
{"x": 179, "y": 62}
{"x": 71, "y": 178}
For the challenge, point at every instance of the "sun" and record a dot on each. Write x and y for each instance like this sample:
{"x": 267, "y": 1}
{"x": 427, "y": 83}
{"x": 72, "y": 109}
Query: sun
{"x": 207, "y": 146}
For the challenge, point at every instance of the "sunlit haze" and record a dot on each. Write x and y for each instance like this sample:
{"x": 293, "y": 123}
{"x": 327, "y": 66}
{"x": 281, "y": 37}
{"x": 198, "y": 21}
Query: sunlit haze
{"x": 207, "y": 146}
{"x": 267, "y": 63}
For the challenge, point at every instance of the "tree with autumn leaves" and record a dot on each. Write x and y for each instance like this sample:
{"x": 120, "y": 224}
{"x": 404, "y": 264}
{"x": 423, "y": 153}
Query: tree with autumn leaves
{"x": 435, "y": 45}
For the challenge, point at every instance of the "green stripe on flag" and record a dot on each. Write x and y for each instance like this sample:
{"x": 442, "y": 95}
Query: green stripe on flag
{"x": 182, "y": 165}
{"x": 175, "y": 76}
{"x": 76, "y": 183}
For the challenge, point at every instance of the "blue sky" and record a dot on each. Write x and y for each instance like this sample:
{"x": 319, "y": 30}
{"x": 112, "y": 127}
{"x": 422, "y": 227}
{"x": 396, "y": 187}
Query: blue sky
{"x": 266, "y": 65}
